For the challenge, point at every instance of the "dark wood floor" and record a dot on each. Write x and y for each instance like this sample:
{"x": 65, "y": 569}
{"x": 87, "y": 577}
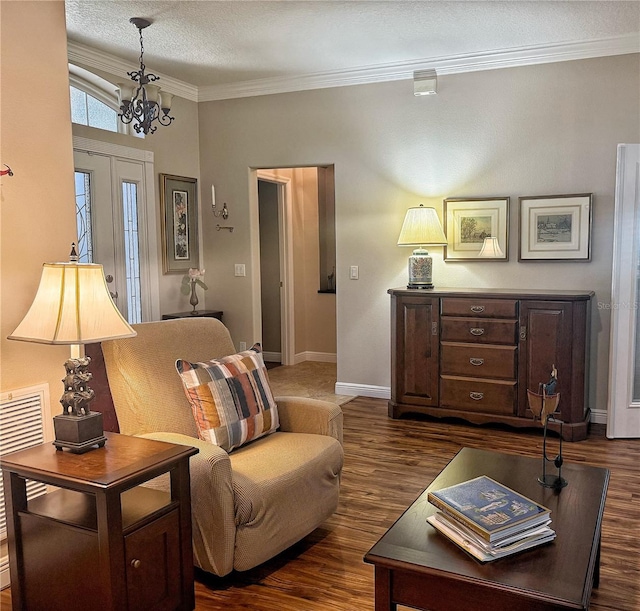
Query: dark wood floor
{"x": 387, "y": 464}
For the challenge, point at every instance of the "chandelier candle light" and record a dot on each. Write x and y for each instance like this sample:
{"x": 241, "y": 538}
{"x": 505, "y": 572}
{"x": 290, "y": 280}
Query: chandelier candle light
{"x": 147, "y": 104}
{"x": 421, "y": 228}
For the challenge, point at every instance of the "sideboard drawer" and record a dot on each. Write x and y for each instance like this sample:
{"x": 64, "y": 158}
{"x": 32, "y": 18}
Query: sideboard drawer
{"x": 488, "y": 396}
{"x": 481, "y": 307}
{"x": 480, "y": 361}
{"x": 478, "y": 330}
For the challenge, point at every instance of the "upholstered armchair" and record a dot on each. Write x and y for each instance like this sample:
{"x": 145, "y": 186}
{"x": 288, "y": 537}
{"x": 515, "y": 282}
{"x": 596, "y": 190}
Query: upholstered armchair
{"x": 250, "y": 504}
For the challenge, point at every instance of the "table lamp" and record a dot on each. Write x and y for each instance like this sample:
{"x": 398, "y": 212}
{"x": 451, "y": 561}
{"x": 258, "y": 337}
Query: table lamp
{"x": 491, "y": 249}
{"x": 73, "y": 306}
{"x": 421, "y": 228}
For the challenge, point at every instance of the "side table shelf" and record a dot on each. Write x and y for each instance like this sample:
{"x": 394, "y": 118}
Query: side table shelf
{"x": 101, "y": 536}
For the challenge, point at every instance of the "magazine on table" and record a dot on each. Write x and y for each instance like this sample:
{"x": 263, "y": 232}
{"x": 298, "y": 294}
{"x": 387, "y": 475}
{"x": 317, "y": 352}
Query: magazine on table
{"x": 490, "y": 509}
{"x": 480, "y": 549}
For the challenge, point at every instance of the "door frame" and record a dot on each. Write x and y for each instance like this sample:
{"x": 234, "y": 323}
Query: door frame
{"x": 147, "y": 221}
{"x": 623, "y": 413}
{"x": 285, "y": 237}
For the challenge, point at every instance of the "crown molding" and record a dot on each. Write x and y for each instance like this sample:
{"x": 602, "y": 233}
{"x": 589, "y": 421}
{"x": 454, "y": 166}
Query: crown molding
{"x": 505, "y": 58}
{"x": 454, "y": 64}
{"x": 86, "y": 56}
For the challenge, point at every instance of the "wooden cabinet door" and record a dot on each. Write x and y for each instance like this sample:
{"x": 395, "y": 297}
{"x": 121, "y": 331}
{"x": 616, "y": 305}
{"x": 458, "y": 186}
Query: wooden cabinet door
{"x": 546, "y": 339}
{"x": 153, "y": 565}
{"x": 415, "y": 350}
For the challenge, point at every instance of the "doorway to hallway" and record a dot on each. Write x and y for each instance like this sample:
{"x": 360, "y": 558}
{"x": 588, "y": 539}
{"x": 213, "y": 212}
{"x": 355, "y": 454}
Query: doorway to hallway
{"x": 296, "y": 296}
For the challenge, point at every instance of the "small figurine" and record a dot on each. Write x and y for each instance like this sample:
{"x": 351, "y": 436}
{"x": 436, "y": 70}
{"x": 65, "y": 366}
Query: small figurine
{"x": 77, "y": 394}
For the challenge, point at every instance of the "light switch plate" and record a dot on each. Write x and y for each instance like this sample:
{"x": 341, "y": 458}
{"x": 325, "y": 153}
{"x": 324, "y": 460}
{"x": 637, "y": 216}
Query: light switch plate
{"x": 353, "y": 272}
{"x": 240, "y": 270}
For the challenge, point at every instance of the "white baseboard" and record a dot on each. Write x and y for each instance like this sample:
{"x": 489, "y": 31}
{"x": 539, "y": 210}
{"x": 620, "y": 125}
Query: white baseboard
{"x": 599, "y": 416}
{"x": 321, "y": 357}
{"x": 363, "y": 390}
{"x": 272, "y": 357}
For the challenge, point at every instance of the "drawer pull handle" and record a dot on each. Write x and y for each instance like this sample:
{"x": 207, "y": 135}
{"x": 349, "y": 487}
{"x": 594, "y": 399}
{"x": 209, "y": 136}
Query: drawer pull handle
{"x": 476, "y": 396}
{"x": 476, "y": 331}
{"x": 476, "y": 361}
{"x": 135, "y": 563}
{"x": 477, "y": 309}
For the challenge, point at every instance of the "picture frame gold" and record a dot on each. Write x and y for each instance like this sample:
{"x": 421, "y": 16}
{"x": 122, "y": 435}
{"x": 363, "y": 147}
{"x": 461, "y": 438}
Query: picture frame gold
{"x": 555, "y": 227}
{"x": 179, "y": 220}
{"x": 468, "y": 220}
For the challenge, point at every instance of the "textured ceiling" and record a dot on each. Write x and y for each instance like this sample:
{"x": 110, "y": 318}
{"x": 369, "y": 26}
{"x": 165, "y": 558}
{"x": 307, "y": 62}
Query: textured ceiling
{"x": 207, "y": 43}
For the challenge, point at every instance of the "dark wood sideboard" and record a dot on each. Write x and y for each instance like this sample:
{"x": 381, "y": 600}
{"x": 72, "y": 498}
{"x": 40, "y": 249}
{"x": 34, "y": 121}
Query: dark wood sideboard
{"x": 473, "y": 353}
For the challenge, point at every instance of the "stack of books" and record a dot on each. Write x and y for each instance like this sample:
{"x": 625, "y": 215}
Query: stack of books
{"x": 489, "y": 520}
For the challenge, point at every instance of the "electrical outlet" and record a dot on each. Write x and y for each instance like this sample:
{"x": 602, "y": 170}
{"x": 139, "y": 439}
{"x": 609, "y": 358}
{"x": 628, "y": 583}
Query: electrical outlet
{"x": 243, "y": 346}
{"x": 240, "y": 270}
{"x": 353, "y": 272}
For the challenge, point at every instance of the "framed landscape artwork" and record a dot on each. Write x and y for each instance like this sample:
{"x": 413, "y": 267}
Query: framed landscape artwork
{"x": 178, "y": 200}
{"x": 468, "y": 221}
{"x": 555, "y": 227}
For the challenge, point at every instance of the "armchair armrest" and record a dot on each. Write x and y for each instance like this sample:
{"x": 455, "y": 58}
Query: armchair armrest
{"x": 212, "y": 503}
{"x": 305, "y": 415}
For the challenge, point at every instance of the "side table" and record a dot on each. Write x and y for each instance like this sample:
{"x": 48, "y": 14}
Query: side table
{"x": 101, "y": 537}
{"x": 198, "y": 313}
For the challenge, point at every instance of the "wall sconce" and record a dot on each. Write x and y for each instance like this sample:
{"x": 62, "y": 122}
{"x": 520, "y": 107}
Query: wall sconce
{"x": 224, "y": 213}
{"x": 491, "y": 249}
{"x": 425, "y": 82}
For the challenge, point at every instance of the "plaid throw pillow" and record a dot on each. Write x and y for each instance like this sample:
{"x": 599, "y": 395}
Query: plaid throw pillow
{"x": 230, "y": 398}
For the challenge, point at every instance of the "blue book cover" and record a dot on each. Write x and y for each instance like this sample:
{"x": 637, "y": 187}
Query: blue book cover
{"x": 488, "y": 508}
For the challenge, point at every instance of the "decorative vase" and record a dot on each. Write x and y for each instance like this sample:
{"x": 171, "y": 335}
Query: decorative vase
{"x": 193, "y": 300}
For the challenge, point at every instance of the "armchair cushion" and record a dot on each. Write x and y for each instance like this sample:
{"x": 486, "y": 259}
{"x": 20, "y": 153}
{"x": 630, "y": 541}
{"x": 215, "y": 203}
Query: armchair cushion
{"x": 230, "y": 398}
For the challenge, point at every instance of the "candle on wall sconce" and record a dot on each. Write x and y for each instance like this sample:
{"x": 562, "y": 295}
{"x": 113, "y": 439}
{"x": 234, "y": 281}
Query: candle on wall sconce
{"x": 224, "y": 212}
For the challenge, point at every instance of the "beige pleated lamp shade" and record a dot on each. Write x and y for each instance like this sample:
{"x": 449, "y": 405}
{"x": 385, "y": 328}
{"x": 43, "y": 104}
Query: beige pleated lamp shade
{"x": 72, "y": 306}
{"x": 421, "y": 227}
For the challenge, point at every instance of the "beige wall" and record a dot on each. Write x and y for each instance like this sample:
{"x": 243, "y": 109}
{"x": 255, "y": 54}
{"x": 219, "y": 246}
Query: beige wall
{"x": 547, "y": 129}
{"x": 37, "y": 202}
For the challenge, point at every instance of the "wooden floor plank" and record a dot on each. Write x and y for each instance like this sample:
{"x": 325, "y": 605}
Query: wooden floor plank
{"x": 387, "y": 465}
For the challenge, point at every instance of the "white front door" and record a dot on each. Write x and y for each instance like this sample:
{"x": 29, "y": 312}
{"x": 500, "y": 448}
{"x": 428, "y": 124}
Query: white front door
{"x": 111, "y": 196}
{"x": 623, "y": 410}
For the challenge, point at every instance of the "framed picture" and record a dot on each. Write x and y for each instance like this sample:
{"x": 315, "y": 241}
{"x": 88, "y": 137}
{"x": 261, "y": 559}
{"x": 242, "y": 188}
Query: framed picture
{"x": 179, "y": 203}
{"x": 468, "y": 221}
{"x": 555, "y": 227}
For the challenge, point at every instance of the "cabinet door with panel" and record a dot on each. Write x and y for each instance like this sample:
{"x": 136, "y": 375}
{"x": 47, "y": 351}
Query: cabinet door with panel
{"x": 415, "y": 352}
{"x": 552, "y": 333}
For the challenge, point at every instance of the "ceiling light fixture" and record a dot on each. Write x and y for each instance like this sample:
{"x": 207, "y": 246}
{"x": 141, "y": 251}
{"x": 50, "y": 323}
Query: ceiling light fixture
{"x": 425, "y": 82}
{"x": 147, "y": 103}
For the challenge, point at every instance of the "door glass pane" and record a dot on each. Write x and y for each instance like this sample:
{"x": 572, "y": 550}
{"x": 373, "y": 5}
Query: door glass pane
{"x": 131, "y": 251}
{"x": 83, "y": 217}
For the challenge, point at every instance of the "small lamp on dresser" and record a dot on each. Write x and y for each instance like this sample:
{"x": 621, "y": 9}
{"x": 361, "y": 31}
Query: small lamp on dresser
{"x": 73, "y": 306}
{"x": 421, "y": 228}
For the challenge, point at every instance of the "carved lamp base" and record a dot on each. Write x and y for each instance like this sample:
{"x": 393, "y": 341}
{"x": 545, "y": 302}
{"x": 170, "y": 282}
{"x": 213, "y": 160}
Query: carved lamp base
{"x": 79, "y": 434}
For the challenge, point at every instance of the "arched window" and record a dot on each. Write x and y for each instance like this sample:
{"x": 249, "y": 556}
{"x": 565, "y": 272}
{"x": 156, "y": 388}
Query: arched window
{"x": 87, "y": 110}
{"x": 94, "y": 102}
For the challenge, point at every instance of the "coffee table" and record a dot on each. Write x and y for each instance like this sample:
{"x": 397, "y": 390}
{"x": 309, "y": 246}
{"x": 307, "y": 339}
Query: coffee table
{"x": 419, "y": 567}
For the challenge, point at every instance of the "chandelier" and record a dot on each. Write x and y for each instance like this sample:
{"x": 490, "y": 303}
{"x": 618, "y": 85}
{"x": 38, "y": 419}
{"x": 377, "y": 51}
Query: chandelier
{"x": 142, "y": 103}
